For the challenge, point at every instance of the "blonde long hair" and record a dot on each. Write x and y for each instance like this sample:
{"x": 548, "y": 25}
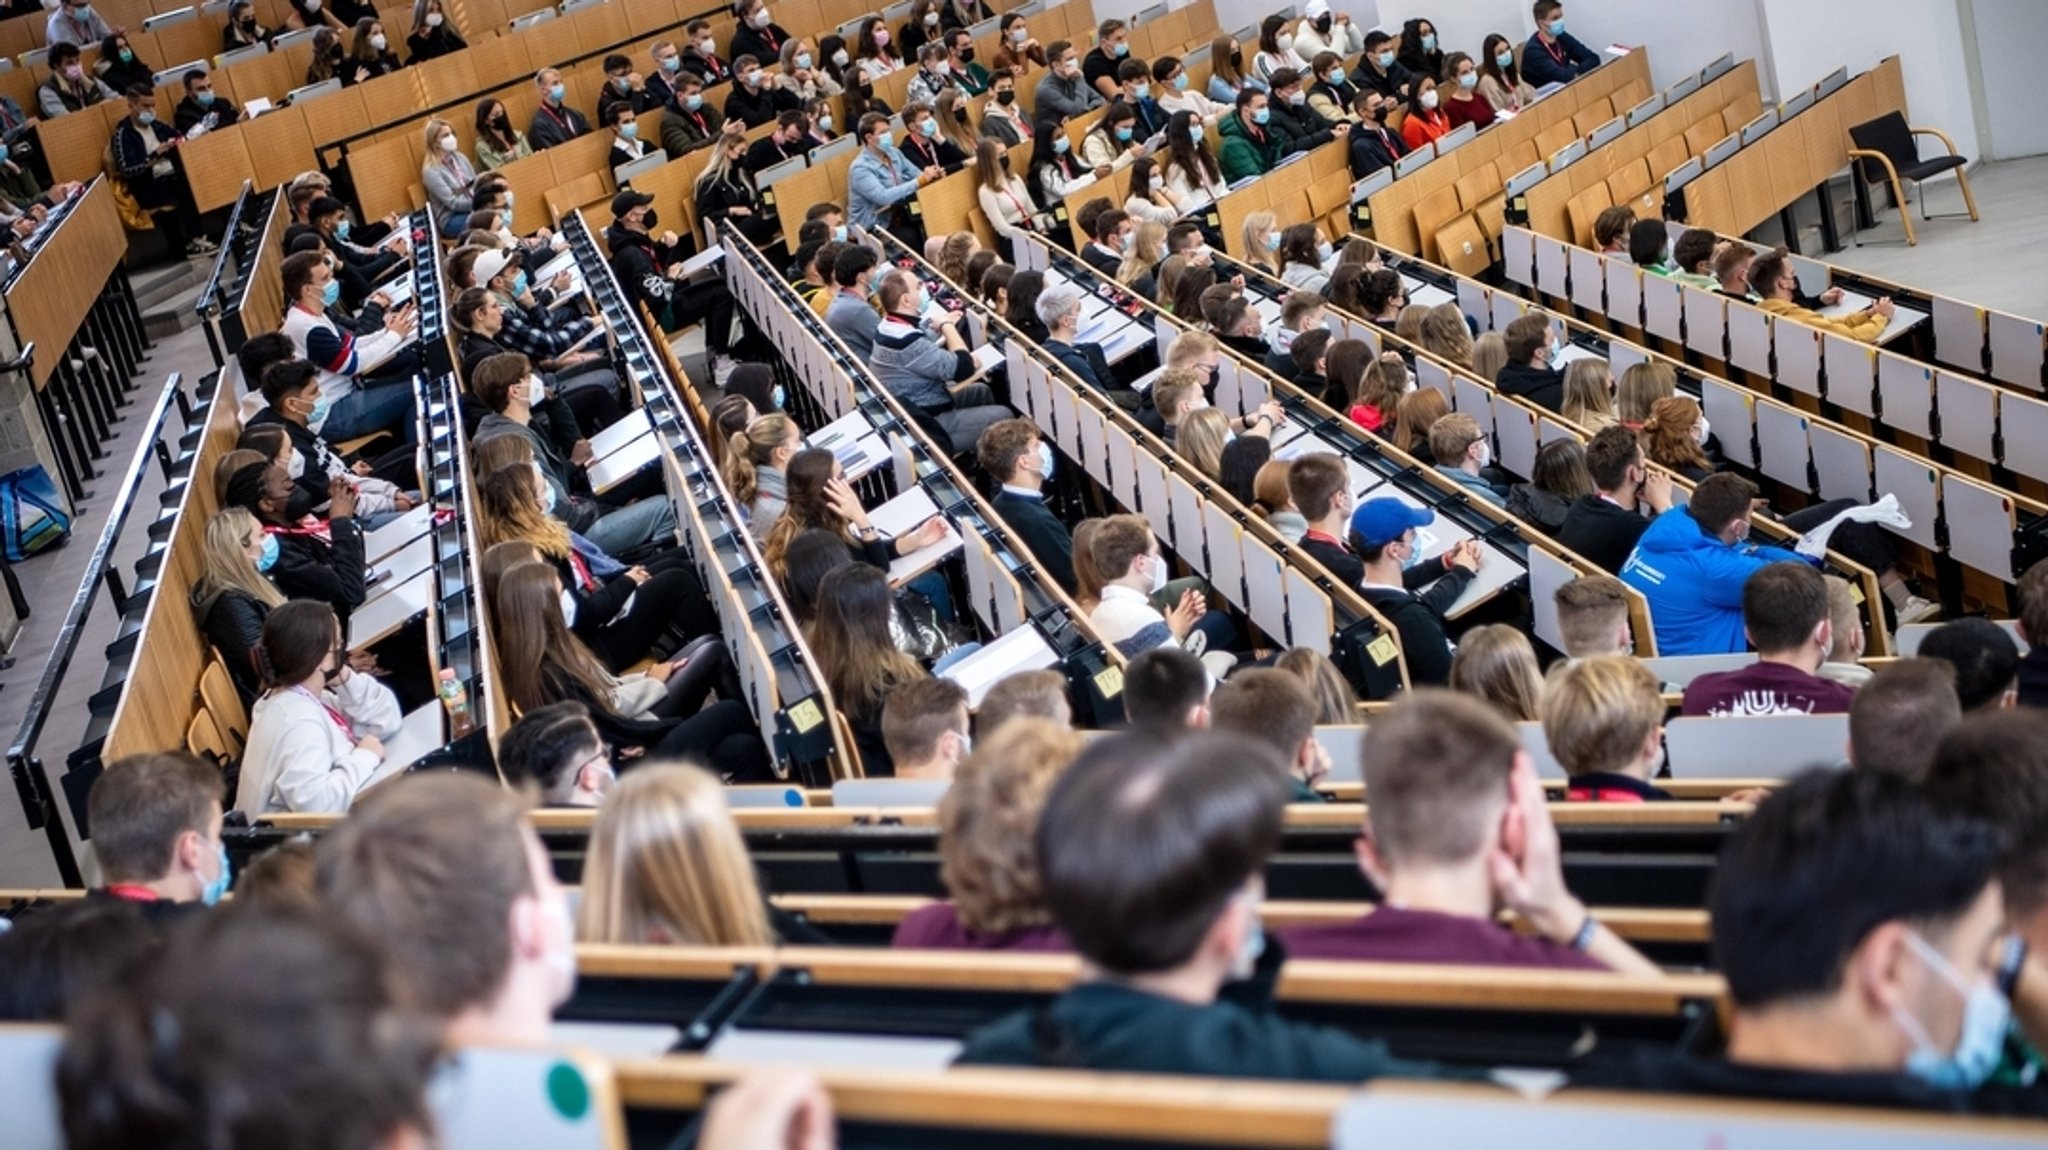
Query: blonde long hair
{"x": 753, "y": 449}
{"x": 667, "y": 865}
{"x": 227, "y": 565}
{"x": 1496, "y": 664}
{"x": 1252, "y": 235}
{"x": 1201, "y": 440}
{"x": 508, "y": 509}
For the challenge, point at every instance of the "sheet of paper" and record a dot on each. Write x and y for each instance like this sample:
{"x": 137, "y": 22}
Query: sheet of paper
{"x": 401, "y": 565}
{"x": 397, "y": 533}
{"x": 1019, "y": 650}
{"x": 624, "y": 463}
{"x": 703, "y": 259}
{"x": 635, "y": 425}
{"x": 381, "y": 616}
{"x": 985, "y": 357}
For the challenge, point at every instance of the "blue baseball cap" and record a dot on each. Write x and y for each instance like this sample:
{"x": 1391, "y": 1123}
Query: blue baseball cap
{"x": 1377, "y": 522}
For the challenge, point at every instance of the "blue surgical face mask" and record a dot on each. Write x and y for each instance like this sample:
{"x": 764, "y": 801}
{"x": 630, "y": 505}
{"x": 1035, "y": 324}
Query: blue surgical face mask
{"x": 331, "y": 294}
{"x": 145, "y": 118}
{"x": 1336, "y": 76}
{"x": 629, "y": 131}
{"x": 1468, "y": 80}
{"x": 267, "y": 558}
{"x": 205, "y": 98}
{"x": 317, "y": 418}
{"x": 928, "y": 127}
{"x": 1123, "y": 135}
{"x": 1142, "y": 91}
{"x": 671, "y": 63}
{"x": 1429, "y": 42}
{"x": 1385, "y": 60}
{"x": 1414, "y": 554}
{"x": 1504, "y": 59}
{"x": 1121, "y": 50}
{"x": 1262, "y": 115}
{"x": 1272, "y": 241}
{"x": 825, "y": 124}
{"x": 780, "y": 395}
{"x": 520, "y": 283}
{"x": 1555, "y": 27}
{"x": 1060, "y": 145}
{"x": 3, "y": 153}
{"x": 217, "y": 888}
{"x": 1044, "y": 461}
{"x": 1986, "y": 1016}
{"x": 802, "y": 61}
{"x": 1195, "y": 131}
{"x": 1323, "y": 252}
{"x": 1181, "y": 81}
{"x": 342, "y": 229}
{"x": 693, "y": 101}
{"x": 839, "y": 233}
{"x": 556, "y": 92}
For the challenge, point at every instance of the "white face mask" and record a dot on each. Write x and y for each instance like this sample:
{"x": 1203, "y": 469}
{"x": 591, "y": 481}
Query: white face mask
{"x": 568, "y": 609}
{"x": 1158, "y": 571}
{"x": 1485, "y": 453}
{"x": 1701, "y": 430}
{"x": 536, "y": 392}
{"x": 297, "y": 466}
{"x": 1429, "y": 99}
{"x": 433, "y": 20}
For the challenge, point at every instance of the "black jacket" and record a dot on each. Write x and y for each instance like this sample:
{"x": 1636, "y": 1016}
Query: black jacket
{"x": 1371, "y": 150}
{"x": 641, "y": 263}
{"x": 2034, "y": 678}
{"x": 1419, "y": 619}
{"x": 1297, "y": 129}
{"x": 763, "y": 44}
{"x": 1086, "y": 361}
{"x": 1544, "y": 510}
{"x": 717, "y": 198}
{"x": 1107, "y": 1026}
{"x": 430, "y": 43}
{"x": 1602, "y": 533}
{"x": 310, "y": 568}
{"x": 190, "y": 114}
{"x": 1539, "y": 385}
{"x": 1048, "y": 539}
{"x": 309, "y": 490}
{"x": 1673, "y": 1072}
{"x": 551, "y": 126}
{"x": 757, "y": 108}
{"x": 232, "y": 621}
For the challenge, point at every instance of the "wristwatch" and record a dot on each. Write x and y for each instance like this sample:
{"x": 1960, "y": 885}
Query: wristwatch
{"x": 1583, "y": 940}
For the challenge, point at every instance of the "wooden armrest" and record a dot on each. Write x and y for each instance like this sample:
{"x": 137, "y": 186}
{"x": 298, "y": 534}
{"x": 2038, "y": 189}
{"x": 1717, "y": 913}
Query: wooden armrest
{"x": 1880, "y": 157}
{"x": 1938, "y": 134}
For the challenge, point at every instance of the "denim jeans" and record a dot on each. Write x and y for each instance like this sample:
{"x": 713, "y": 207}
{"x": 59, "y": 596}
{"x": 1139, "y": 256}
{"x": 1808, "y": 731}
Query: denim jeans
{"x": 365, "y": 411}
{"x": 633, "y": 525}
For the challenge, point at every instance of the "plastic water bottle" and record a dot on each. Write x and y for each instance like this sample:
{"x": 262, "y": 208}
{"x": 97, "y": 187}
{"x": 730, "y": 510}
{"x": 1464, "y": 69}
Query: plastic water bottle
{"x": 455, "y": 697}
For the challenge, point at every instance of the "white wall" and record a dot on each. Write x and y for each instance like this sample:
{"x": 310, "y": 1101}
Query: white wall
{"x": 1681, "y": 37}
{"x": 2009, "y": 39}
{"x": 1807, "y": 39}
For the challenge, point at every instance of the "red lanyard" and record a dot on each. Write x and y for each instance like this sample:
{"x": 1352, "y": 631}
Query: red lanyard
{"x": 133, "y": 892}
{"x": 557, "y": 117}
{"x": 340, "y": 720}
{"x": 1555, "y": 49}
{"x": 1023, "y": 213}
{"x": 582, "y": 570}
{"x": 322, "y": 531}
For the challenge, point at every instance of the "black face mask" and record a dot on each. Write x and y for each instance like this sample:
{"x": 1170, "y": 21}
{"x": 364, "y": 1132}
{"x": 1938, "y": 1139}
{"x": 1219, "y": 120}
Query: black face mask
{"x": 1237, "y": 58}
{"x": 1379, "y": 114}
{"x": 1006, "y": 97}
{"x": 1005, "y": 159}
{"x": 960, "y": 115}
{"x": 967, "y": 55}
{"x": 1323, "y": 24}
{"x": 651, "y": 220}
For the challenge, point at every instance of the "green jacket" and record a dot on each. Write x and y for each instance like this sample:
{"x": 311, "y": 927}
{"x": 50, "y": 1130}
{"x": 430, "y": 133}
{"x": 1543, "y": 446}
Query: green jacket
{"x": 1243, "y": 154}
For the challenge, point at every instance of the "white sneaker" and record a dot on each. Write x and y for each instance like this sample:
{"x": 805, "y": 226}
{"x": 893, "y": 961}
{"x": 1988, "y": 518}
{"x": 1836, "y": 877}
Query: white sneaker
{"x": 722, "y": 367}
{"x": 1916, "y": 610}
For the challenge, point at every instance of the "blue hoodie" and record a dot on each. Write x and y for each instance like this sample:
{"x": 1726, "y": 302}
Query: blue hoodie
{"x": 1694, "y": 584}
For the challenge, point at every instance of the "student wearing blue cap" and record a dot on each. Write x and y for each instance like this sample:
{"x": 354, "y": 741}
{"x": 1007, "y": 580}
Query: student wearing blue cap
{"x": 1411, "y": 594}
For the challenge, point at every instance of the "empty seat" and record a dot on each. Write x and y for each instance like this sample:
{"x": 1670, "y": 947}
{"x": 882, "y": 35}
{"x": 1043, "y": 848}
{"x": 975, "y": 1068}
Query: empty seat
{"x": 1887, "y": 153}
